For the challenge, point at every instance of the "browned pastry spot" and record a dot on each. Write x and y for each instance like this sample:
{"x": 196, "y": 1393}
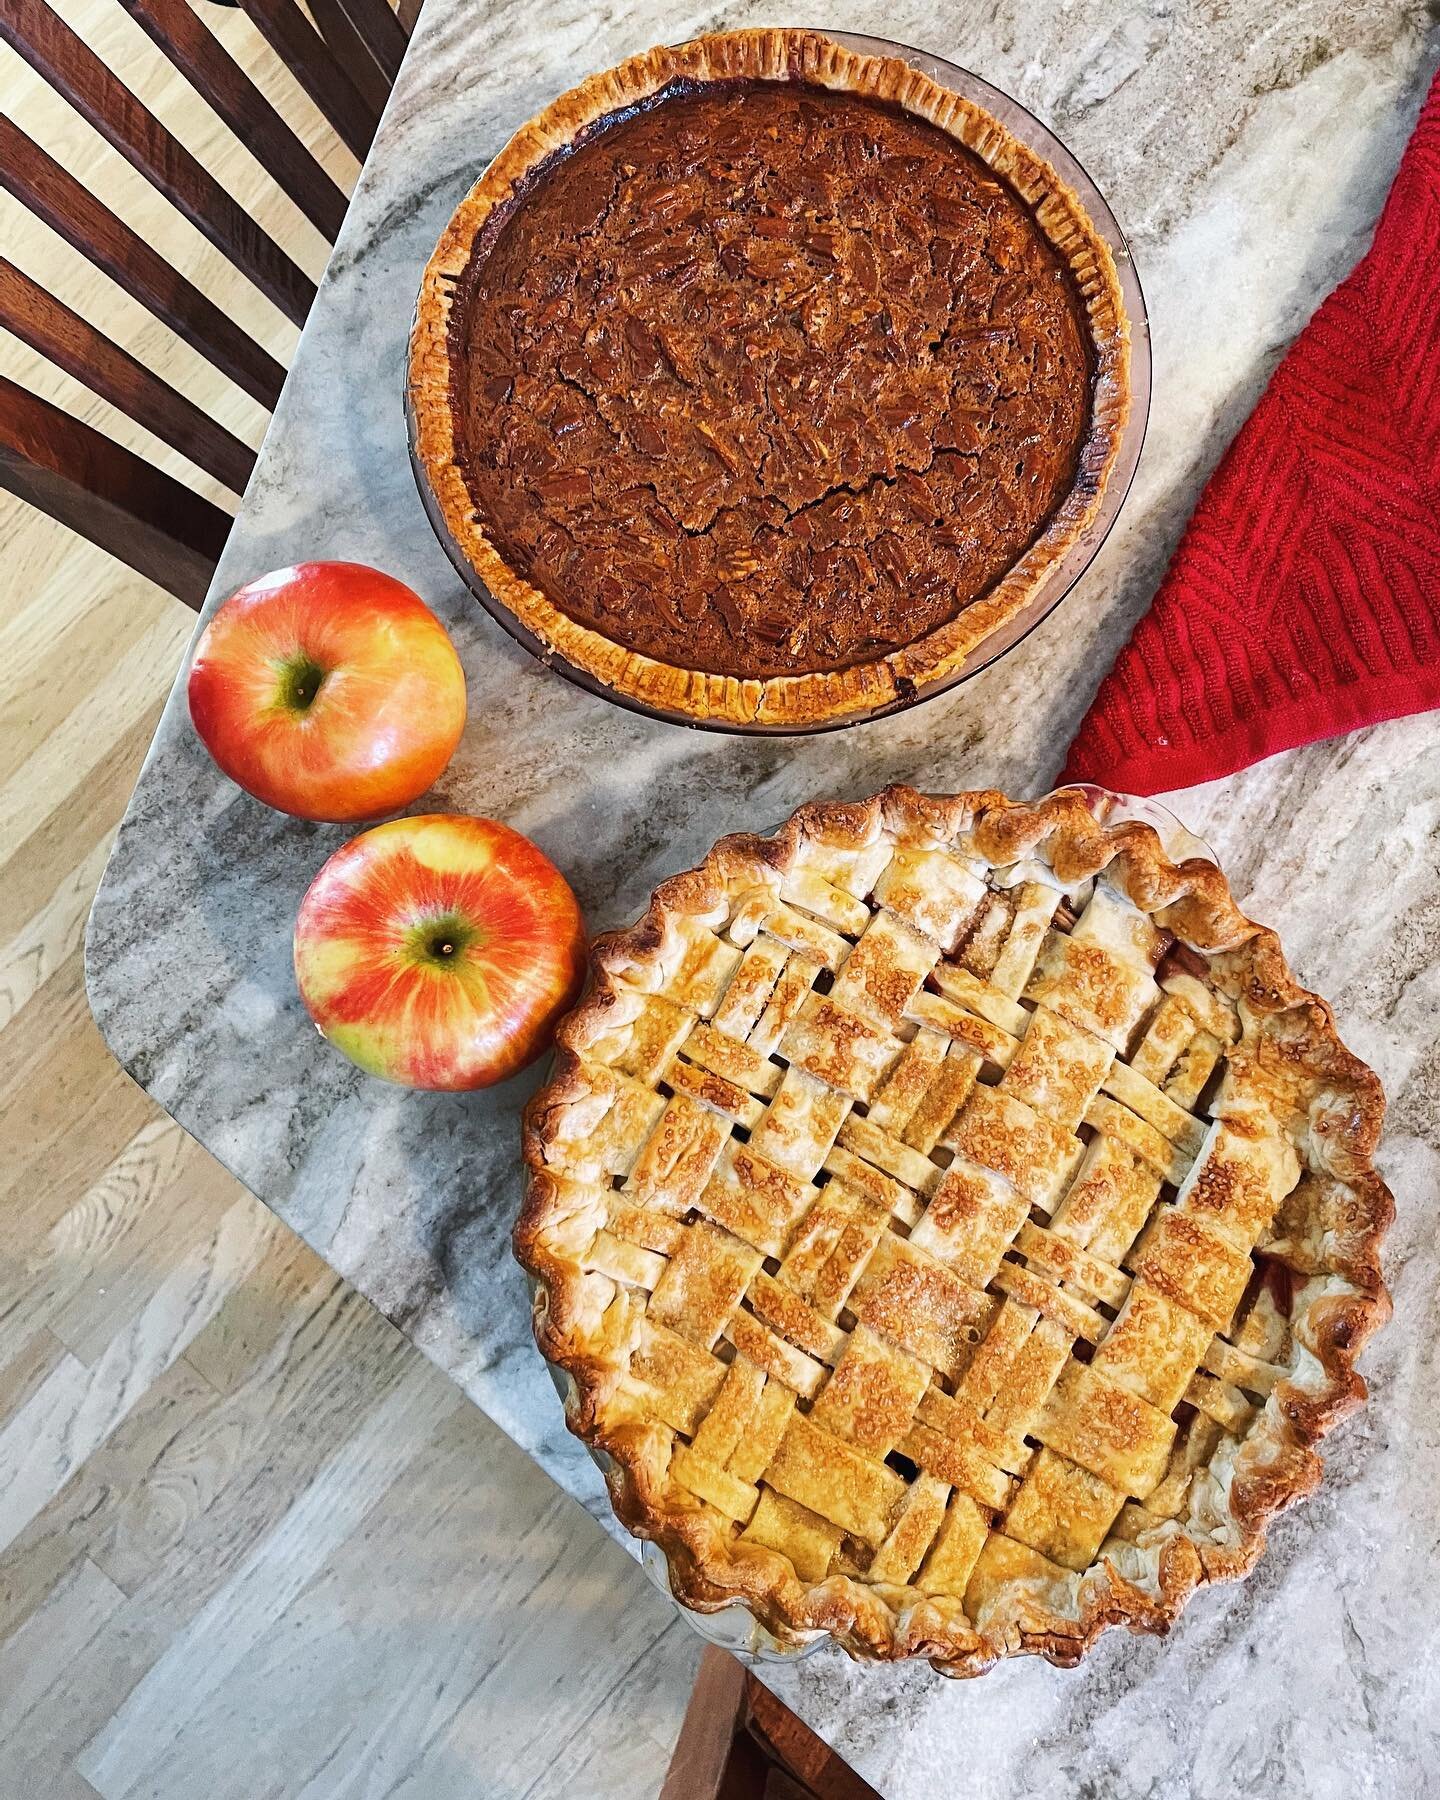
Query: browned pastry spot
{"x": 764, "y": 379}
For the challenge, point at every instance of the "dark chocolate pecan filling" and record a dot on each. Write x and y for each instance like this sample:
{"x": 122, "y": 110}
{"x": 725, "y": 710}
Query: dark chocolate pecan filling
{"x": 764, "y": 380}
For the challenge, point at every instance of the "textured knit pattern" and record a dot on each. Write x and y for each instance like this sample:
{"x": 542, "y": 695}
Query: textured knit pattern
{"x": 1304, "y": 599}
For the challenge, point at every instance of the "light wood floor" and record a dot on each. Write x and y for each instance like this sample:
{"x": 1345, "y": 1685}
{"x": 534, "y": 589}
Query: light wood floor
{"x": 250, "y": 1542}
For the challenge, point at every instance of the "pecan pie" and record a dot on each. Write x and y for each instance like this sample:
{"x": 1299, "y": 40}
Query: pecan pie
{"x": 958, "y": 1227}
{"x": 762, "y": 380}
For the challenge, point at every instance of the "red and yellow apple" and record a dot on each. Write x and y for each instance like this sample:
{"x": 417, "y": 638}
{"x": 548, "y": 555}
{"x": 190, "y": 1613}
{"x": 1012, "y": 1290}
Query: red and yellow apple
{"x": 329, "y": 691}
{"x": 438, "y": 952}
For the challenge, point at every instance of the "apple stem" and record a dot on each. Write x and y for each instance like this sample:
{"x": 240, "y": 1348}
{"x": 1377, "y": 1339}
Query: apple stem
{"x": 300, "y": 681}
{"x": 440, "y": 940}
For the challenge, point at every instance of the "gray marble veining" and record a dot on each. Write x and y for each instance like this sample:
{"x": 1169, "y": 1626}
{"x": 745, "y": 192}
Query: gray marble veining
{"x": 1246, "y": 150}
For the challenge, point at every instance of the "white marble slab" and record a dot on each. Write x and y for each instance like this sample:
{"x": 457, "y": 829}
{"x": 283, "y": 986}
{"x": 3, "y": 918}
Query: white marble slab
{"x": 1246, "y": 149}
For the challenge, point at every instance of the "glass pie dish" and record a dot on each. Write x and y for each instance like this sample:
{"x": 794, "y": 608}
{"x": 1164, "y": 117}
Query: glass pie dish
{"x": 823, "y": 696}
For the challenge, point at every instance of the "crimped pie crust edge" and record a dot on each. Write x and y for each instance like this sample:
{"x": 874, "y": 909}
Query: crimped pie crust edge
{"x": 1277, "y": 1463}
{"x": 786, "y": 701}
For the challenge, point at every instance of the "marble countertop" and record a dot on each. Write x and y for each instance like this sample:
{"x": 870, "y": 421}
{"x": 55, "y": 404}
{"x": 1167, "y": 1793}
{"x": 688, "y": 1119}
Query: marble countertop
{"x": 1246, "y": 150}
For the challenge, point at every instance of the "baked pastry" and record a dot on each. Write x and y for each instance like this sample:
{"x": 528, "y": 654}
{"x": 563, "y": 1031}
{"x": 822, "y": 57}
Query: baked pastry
{"x": 761, "y": 380}
{"x": 957, "y": 1226}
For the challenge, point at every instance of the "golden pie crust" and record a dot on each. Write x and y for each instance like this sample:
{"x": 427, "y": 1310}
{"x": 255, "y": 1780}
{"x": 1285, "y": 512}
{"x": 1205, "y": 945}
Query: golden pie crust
{"x": 787, "y": 701}
{"x": 957, "y": 1227}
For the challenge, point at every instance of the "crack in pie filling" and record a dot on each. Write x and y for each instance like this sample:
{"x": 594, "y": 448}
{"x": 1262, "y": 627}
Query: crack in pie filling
{"x": 762, "y": 380}
{"x": 957, "y": 1226}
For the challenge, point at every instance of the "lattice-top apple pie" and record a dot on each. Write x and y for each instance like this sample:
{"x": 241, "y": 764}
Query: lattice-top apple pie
{"x": 957, "y": 1225}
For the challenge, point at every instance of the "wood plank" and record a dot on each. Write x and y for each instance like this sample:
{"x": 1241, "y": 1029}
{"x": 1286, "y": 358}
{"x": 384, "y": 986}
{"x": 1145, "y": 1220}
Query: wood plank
{"x": 191, "y": 1479}
{"x": 69, "y": 1784}
{"x": 780, "y": 1786}
{"x": 34, "y": 868}
{"x": 88, "y": 1514}
{"x": 55, "y": 932}
{"x": 625, "y": 1744}
{"x": 203, "y": 1655}
{"x": 75, "y": 1409}
{"x": 34, "y": 1435}
{"x": 74, "y": 344}
{"x": 53, "y": 194}
{"x": 714, "y": 1714}
{"x": 63, "y": 604}
{"x": 209, "y": 68}
{"x": 48, "y": 1054}
{"x": 797, "y": 1748}
{"x": 517, "y": 1595}
{"x": 299, "y": 1306}
{"x": 382, "y": 33}
{"x": 305, "y": 53}
{"x": 37, "y": 1184}
{"x": 73, "y": 69}
{"x": 247, "y": 1459}
{"x": 37, "y": 1718}
{"x": 41, "y": 1273}
{"x": 163, "y": 1196}
{"x": 351, "y": 52}
{"x": 27, "y": 1367}
{"x": 82, "y": 623}
{"x": 109, "y": 495}
{"x": 63, "y": 762}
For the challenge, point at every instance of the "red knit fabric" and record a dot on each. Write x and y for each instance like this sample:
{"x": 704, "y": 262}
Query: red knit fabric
{"x": 1304, "y": 599}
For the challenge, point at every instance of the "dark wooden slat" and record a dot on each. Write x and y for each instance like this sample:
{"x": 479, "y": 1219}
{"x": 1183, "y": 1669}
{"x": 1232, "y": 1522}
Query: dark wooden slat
{"x": 380, "y": 31}
{"x": 800, "y": 1750}
{"x": 74, "y": 70}
{"x": 215, "y": 76}
{"x": 408, "y": 12}
{"x": 780, "y": 1786}
{"x": 714, "y": 1719}
{"x": 305, "y": 53}
{"x": 351, "y": 52}
{"x": 53, "y": 194}
{"x": 107, "y": 494}
{"x": 73, "y": 344}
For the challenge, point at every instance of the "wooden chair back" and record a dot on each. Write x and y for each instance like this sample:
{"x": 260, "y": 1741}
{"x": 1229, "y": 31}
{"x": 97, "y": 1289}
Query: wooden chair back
{"x": 346, "y": 63}
{"x": 738, "y": 1741}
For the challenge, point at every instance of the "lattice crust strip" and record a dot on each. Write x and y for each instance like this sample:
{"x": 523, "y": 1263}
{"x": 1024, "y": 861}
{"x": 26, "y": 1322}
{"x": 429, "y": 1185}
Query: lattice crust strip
{"x": 958, "y": 1224}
